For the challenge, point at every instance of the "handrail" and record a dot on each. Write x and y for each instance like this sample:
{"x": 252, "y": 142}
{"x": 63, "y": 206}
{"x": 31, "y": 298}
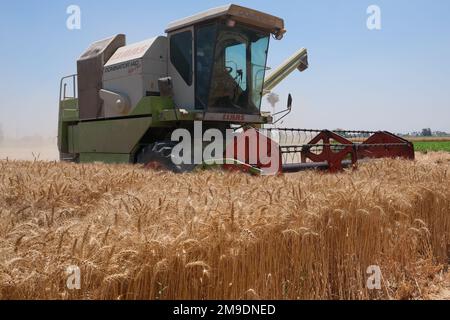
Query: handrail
{"x": 62, "y": 93}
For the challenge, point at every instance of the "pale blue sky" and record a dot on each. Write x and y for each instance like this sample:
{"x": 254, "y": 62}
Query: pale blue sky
{"x": 396, "y": 79}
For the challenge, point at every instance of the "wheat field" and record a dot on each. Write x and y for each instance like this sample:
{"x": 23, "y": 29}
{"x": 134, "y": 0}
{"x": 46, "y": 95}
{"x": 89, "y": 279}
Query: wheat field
{"x": 137, "y": 234}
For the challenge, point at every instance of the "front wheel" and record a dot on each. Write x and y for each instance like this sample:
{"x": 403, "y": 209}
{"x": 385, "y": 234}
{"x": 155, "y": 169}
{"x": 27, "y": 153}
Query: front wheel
{"x": 158, "y": 156}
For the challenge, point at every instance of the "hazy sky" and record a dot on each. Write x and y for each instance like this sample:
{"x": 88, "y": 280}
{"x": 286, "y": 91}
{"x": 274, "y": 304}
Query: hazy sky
{"x": 397, "y": 78}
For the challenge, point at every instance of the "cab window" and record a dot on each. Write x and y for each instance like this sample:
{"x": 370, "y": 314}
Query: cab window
{"x": 181, "y": 54}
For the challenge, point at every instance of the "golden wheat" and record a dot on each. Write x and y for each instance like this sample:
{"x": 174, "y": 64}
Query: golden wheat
{"x": 139, "y": 234}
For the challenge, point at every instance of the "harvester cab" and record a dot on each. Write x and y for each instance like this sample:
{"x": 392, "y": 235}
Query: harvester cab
{"x": 126, "y": 100}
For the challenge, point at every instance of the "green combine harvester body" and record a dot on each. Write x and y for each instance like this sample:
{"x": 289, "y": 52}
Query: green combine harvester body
{"x": 109, "y": 140}
{"x": 125, "y": 101}
{"x": 117, "y": 107}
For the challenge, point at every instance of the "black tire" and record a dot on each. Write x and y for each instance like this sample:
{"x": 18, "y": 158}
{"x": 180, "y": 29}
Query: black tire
{"x": 158, "y": 155}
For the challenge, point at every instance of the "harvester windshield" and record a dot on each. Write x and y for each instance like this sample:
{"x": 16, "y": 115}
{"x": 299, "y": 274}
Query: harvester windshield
{"x": 230, "y": 67}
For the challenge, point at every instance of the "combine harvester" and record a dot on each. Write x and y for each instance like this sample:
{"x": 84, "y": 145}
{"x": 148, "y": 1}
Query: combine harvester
{"x": 127, "y": 100}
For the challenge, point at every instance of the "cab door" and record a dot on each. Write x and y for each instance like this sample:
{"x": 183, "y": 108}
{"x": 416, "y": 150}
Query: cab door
{"x": 181, "y": 67}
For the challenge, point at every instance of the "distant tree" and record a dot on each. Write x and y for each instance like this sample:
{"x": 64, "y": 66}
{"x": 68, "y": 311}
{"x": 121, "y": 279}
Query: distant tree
{"x": 427, "y": 132}
{"x": 441, "y": 134}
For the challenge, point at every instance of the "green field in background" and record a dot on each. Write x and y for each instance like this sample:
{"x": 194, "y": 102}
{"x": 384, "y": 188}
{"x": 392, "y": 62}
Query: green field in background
{"x": 425, "y": 146}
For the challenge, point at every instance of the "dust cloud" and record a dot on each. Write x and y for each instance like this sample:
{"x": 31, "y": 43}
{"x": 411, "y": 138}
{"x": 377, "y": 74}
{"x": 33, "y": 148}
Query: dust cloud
{"x": 42, "y": 149}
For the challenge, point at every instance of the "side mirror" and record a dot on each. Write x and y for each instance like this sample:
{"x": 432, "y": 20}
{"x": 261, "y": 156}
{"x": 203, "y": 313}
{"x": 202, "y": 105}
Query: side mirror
{"x": 289, "y": 102}
{"x": 284, "y": 112}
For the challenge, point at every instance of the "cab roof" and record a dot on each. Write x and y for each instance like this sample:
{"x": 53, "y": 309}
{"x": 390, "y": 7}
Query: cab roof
{"x": 258, "y": 19}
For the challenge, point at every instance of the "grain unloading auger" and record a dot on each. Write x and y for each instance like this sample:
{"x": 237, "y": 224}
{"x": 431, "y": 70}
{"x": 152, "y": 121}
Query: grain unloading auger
{"x": 126, "y": 101}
